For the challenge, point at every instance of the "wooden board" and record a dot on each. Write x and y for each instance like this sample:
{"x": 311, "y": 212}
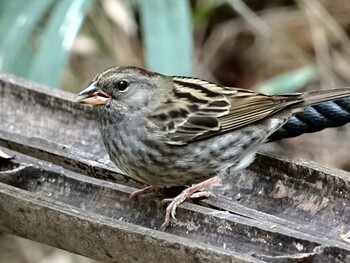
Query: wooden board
{"x": 281, "y": 209}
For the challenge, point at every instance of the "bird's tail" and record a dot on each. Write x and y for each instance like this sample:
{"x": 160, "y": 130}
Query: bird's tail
{"x": 318, "y": 96}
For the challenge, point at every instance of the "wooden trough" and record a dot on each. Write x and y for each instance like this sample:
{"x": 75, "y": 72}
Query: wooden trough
{"x": 279, "y": 210}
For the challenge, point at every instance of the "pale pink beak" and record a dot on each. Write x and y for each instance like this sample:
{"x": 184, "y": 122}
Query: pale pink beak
{"x": 93, "y": 96}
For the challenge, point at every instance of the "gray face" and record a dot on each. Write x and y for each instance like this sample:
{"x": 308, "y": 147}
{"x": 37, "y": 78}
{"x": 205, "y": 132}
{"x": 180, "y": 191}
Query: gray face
{"x": 125, "y": 90}
{"x": 130, "y": 89}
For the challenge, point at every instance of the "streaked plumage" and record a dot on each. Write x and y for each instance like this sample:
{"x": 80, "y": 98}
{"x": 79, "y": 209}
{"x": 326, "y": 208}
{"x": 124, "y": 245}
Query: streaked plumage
{"x": 167, "y": 131}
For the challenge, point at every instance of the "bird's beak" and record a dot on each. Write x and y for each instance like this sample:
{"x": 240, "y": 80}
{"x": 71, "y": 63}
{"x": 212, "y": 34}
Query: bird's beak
{"x": 92, "y": 96}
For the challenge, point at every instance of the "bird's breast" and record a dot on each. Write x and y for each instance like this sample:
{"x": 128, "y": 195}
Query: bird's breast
{"x": 146, "y": 158}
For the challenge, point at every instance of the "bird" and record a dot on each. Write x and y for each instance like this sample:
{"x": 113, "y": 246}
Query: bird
{"x": 169, "y": 131}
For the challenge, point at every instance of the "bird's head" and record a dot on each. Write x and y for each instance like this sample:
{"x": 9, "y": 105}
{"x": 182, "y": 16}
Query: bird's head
{"x": 128, "y": 89}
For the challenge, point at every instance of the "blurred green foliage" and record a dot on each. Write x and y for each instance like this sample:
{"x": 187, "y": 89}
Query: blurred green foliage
{"x": 288, "y": 82}
{"x": 36, "y": 37}
{"x": 167, "y": 29}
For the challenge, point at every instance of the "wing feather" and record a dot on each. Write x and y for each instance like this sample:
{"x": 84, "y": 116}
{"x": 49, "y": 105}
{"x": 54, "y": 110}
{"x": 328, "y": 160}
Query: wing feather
{"x": 197, "y": 109}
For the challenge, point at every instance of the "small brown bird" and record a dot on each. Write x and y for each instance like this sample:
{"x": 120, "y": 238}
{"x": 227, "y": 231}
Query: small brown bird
{"x": 173, "y": 131}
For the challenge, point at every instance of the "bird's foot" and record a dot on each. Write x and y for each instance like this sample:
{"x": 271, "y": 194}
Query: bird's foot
{"x": 188, "y": 193}
{"x": 148, "y": 189}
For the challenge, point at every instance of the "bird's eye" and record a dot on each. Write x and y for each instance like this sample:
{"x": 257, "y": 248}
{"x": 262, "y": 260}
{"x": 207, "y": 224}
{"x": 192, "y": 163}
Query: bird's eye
{"x": 122, "y": 85}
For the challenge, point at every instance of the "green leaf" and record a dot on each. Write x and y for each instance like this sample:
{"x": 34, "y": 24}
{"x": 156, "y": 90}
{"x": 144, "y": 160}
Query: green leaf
{"x": 17, "y": 20}
{"x": 203, "y": 11}
{"x": 167, "y": 33}
{"x": 57, "y": 41}
{"x": 288, "y": 82}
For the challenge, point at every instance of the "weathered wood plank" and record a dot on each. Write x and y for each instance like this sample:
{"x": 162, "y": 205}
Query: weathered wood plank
{"x": 55, "y": 191}
{"x": 280, "y": 209}
{"x": 66, "y": 222}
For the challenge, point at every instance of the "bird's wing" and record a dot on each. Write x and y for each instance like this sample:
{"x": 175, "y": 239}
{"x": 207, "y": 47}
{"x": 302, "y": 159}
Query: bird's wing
{"x": 199, "y": 109}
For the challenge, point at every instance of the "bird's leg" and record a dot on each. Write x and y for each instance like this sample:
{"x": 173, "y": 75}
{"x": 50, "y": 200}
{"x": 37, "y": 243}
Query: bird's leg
{"x": 186, "y": 194}
{"x": 147, "y": 189}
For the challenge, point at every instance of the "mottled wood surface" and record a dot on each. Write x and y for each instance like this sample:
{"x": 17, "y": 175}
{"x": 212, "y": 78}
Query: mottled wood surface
{"x": 281, "y": 209}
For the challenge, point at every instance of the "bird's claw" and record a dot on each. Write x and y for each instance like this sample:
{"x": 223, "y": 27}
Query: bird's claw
{"x": 147, "y": 189}
{"x": 174, "y": 203}
{"x": 189, "y": 193}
